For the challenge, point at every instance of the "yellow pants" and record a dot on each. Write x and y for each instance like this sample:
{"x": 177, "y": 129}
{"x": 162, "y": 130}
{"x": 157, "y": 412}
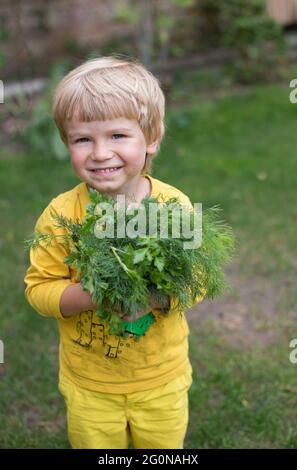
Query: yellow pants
{"x": 153, "y": 419}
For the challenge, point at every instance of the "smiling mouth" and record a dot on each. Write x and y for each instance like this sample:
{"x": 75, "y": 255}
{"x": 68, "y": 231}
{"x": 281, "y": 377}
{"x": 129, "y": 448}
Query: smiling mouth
{"x": 105, "y": 171}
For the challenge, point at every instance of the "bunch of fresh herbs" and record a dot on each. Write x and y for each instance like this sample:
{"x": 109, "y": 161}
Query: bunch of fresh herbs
{"x": 121, "y": 271}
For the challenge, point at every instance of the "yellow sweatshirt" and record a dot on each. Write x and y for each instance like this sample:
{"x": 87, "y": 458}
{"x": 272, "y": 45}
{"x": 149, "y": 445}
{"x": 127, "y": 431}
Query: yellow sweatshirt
{"x": 89, "y": 356}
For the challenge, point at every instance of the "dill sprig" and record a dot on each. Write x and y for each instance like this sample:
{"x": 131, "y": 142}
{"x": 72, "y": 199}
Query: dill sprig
{"x": 120, "y": 273}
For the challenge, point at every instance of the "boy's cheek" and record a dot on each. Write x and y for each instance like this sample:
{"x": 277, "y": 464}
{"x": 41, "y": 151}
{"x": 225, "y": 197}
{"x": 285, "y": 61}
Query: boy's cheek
{"x": 76, "y": 160}
{"x": 73, "y": 161}
{"x": 77, "y": 164}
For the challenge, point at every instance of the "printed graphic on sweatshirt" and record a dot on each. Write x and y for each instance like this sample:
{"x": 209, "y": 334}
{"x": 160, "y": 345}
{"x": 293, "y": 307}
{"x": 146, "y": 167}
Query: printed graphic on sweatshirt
{"x": 91, "y": 330}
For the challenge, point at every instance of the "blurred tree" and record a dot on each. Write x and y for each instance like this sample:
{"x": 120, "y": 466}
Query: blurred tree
{"x": 146, "y": 31}
{"x": 155, "y": 22}
{"x": 40, "y": 135}
{"x": 256, "y": 39}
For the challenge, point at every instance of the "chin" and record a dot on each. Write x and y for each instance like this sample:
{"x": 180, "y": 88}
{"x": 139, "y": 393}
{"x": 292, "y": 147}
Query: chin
{"x": 105, "y": 187}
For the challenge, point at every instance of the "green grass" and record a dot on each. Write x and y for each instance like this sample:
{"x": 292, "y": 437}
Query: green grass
{"x": 238, "y": 152}
{"x": 241, "y": 398}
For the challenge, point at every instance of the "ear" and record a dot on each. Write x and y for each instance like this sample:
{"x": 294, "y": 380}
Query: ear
{"x": 152, "y": 148}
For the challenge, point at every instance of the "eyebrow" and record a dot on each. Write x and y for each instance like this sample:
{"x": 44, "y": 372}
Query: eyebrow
{"x": 120, "y": 129}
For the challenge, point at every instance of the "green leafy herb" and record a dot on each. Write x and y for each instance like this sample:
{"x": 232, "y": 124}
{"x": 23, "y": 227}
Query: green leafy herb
{"x": 121, "y": 272}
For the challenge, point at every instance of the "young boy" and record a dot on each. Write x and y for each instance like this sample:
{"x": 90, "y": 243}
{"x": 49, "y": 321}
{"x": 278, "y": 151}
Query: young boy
{"x": 110, "y": 112}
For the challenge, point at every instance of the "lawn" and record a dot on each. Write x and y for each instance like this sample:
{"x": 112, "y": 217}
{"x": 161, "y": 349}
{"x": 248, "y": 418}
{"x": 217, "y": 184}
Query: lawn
{"x": 239, "y": 152}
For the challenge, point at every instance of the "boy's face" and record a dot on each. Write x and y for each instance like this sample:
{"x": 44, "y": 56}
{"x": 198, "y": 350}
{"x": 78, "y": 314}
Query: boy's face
{"x": 108, "y": 155}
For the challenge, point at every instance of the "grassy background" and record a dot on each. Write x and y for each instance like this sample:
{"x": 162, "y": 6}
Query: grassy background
{"x": 239, "y": 152}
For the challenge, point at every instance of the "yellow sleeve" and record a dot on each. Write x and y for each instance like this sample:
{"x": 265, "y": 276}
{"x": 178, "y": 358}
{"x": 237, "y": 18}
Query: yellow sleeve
{"x": 48, "y": 275}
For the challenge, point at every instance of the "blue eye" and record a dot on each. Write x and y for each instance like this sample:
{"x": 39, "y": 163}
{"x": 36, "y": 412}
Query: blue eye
{"x": 118, "y": 136}
{"x": 82, "y": 139}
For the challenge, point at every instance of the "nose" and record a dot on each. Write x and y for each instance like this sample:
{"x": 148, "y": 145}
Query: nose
{"x": 101, "y": 151}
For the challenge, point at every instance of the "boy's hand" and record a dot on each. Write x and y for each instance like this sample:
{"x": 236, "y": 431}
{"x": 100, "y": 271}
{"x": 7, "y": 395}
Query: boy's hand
{"x": 75, "y": 299}
{"x": 152, "y": 305}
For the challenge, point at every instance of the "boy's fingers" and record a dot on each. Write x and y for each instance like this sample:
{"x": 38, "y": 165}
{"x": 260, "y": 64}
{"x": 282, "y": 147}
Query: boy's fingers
{"x": 137, "y": 315}
{"x": 131, "y": 318}
{"x": 134, "y": 317}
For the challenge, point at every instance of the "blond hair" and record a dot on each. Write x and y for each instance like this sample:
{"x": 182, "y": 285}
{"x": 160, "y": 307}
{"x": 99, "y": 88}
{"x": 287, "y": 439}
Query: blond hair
{"x": 108, "y": 88}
